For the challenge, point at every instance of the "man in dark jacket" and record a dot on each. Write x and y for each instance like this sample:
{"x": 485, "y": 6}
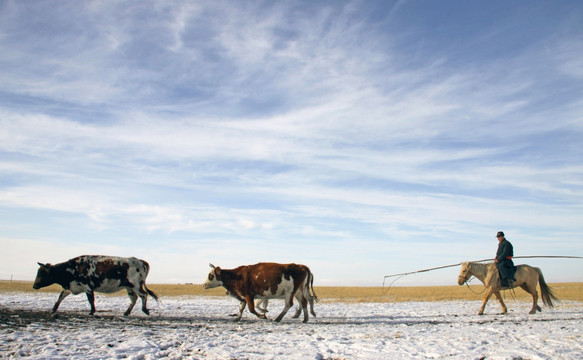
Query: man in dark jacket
{"x": 504, "y": 262}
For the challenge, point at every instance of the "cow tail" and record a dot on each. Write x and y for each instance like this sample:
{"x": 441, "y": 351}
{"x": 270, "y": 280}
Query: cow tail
{"x": 151, "y": 293}
{"x": 311, "y": 285}
{"x": 545, "y": 291}
{"x": 144, "y": 287}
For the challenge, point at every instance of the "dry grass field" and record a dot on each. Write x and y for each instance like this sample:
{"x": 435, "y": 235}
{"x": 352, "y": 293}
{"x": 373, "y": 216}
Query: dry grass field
{"x": 564, "y": 291}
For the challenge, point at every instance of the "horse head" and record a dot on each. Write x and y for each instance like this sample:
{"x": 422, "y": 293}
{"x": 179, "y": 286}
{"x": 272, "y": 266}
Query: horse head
{"x": 465, "y": 273}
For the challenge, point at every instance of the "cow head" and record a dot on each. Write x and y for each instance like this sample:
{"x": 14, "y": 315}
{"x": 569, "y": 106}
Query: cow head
{"x": 44, "y": 276}
{"x": 213, "y": 280}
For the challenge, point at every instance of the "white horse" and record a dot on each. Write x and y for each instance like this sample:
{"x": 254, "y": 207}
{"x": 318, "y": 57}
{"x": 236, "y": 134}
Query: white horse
{"x": 526, "y": 277}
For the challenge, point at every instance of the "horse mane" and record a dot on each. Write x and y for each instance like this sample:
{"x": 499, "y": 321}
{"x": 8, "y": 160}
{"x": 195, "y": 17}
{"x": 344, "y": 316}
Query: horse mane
{"x": 480, "y": 269}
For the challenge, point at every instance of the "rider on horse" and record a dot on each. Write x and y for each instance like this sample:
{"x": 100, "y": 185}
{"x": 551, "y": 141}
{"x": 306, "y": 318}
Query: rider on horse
{"x": 504, "y": 262}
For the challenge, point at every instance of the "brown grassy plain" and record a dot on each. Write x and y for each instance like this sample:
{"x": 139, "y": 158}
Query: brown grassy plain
{"x": 564, "y": 291}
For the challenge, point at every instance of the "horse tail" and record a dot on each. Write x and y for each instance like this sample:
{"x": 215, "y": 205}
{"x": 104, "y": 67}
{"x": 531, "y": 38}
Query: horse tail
{"x": 546, "y": 292}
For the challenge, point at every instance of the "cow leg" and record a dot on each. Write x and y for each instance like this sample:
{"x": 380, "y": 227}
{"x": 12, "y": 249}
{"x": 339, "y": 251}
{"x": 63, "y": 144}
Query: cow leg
{"x": 144, "y": 296}
{"x": 133, "y": 298}
{"x": 299, "y": 310}
{"x": 288, "y": 304}
{"x": 62, "y": 296}
{"x": 302, "y": 305}
{"x": 499, "y": 297}
{"x": 259, "y": 303}
{"x": 265, "y": 303}
{"x": 311, "y": 301}
{"x": 242, "y": 305}
{"x": 91, "y": 299}
{"x": 144, "y": 304}
{"x": 251, "y": 304}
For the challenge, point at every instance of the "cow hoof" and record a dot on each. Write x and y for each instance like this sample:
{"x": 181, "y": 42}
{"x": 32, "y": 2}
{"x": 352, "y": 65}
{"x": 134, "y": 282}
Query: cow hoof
{"x": 481, "y": 313}
{"x": 146, "y": 311}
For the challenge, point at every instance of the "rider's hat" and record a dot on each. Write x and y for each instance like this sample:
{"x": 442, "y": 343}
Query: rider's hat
{"x": 500, "y": 233}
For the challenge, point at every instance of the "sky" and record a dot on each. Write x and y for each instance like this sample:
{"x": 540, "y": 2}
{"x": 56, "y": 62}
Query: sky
{"x": 360, "y": 138}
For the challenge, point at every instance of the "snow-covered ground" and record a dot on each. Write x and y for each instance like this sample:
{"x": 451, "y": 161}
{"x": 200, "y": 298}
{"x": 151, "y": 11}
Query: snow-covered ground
{"x": 200, "y": 328}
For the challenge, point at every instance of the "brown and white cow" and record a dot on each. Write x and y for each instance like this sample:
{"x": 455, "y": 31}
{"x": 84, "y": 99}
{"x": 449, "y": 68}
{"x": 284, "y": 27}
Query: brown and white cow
{"x": 262, "y": 281}
{"x": 309, "y": 294}
{"x": 105, "y": 274}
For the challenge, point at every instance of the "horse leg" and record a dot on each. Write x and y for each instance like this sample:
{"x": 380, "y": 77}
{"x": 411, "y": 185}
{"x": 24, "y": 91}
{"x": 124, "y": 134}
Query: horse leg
{"x": 504, "y": 309}
{"x": 488, "y": 294}
{"x": 534, "y": 294}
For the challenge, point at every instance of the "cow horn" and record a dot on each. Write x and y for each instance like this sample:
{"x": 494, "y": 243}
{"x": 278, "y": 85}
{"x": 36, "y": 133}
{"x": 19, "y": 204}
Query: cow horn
{"x": 212, "y": 266}
{"x": 41, "y": 265}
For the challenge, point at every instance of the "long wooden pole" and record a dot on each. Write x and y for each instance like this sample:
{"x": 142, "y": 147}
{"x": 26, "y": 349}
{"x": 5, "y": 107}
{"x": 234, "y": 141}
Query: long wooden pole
{"x": 452, "y": 265}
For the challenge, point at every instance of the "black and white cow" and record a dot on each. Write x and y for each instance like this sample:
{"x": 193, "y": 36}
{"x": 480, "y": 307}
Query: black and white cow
{"x": 105, "y": 274}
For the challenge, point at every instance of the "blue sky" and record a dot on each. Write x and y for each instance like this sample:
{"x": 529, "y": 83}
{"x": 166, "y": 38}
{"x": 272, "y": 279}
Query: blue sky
{"x": 360, "y": 138}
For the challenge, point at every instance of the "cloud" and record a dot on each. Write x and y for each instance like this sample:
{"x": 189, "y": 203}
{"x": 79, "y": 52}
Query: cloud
{"x": 236, "y": 131}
